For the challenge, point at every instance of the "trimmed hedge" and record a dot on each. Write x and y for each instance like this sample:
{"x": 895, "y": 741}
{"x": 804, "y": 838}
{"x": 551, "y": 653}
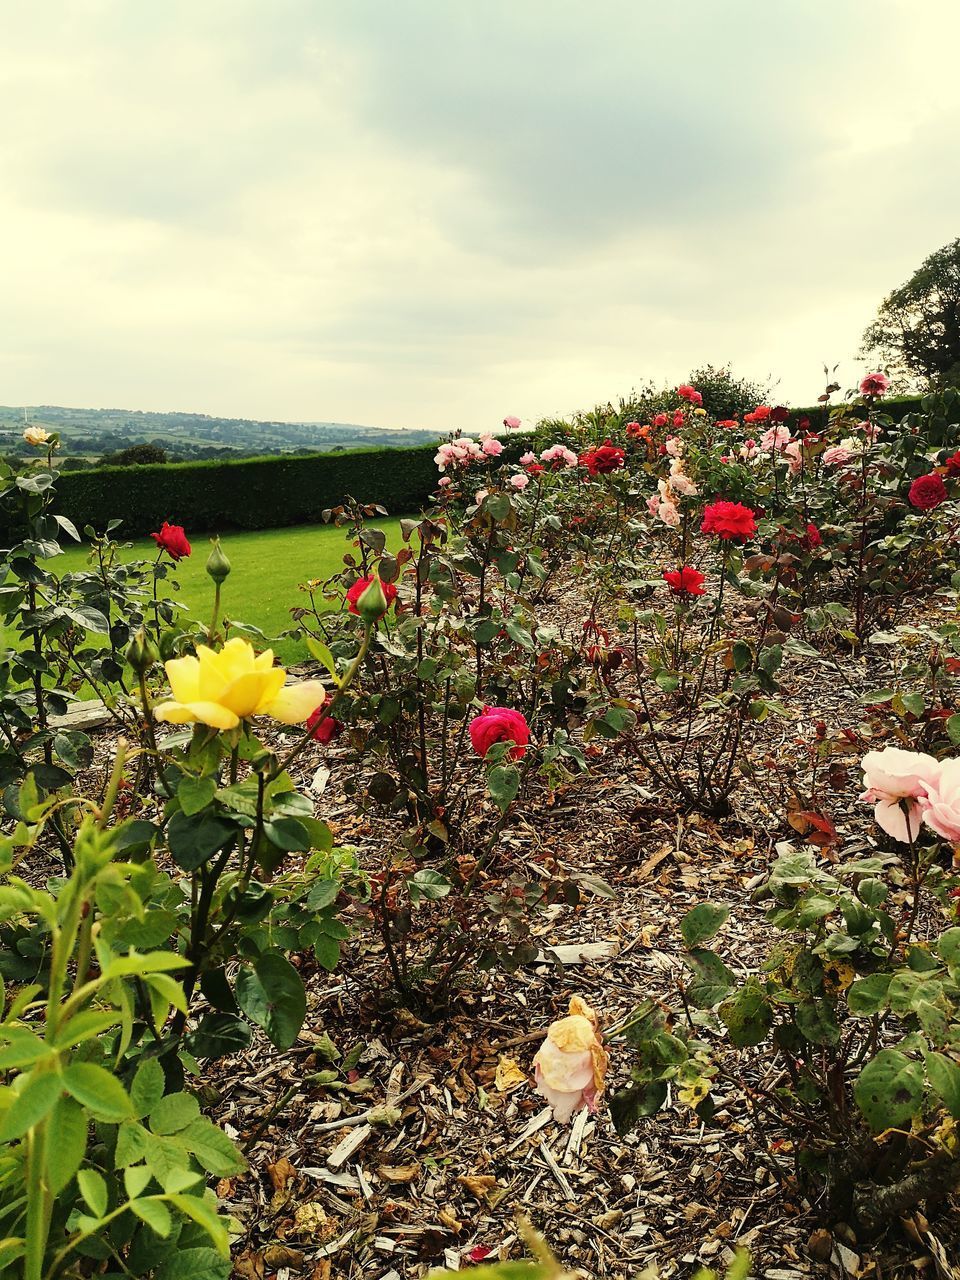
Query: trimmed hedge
{"x": 895, "y": 407}
{"x": 252, "y": 493}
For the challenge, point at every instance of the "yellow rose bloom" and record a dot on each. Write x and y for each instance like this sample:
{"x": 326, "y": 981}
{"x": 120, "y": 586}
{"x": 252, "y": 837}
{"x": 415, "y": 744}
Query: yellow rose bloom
{"x": 221, "y": 688}
{"x": 36, "y": 435}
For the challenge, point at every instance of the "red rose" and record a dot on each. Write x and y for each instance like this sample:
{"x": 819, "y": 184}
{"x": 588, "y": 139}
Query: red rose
{"x": 760, "y": 414}
{"x": 779, "y": 414}
{"x": 360, "y": 586}
{"x": 952, "y": 464}
{"x": 927, "y": 492}
{"x": 812, "y": 538}
{"x": 534, "y": 468}
{"x": 728, "y": 424}
{"x": 660, "y": 420}
{"x": 633, "y": 429}
{"x": 729, "y": 521}
{"x": 499, "y": 724}
{"x": 874, "y": 384}
{"x": 686, "y": 392}
{"x": 321, "y": 726}
{"x": 685, "y": 581}
{"x": 173, "y": 540}
{"x": 803, "y": 424}
{"x": 602, "y": 460}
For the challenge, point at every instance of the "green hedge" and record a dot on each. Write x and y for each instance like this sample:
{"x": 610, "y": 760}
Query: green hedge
{"x": 896, "y": 407}
{"x": 254, "y": 493}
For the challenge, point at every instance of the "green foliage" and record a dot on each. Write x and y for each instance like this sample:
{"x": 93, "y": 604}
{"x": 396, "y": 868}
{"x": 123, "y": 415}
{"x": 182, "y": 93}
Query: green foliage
{"x": 917, "y": 329}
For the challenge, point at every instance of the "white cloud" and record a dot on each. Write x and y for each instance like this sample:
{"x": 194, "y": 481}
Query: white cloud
{"x": 432, "y": 215}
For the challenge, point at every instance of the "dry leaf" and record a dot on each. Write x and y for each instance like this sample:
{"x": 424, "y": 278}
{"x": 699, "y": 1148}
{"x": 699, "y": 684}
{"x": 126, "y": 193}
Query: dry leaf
{"x": 279, "y": 1255}
{"x": 478, "y": 1186}
{"x": 509, "y": 1075}
{"x": 450, "y": 1220}
{"x": 311, "y": 1220}
{"x": 281, "y": 1173}
{"x": 398, "y": 1172}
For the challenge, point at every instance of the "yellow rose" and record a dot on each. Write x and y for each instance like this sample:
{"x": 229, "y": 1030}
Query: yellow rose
{"x": 222, "y": 688}
{"x": 36, "y": 435}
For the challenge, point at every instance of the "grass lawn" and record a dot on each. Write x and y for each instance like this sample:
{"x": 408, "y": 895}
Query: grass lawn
{"x": 267, "y": 568}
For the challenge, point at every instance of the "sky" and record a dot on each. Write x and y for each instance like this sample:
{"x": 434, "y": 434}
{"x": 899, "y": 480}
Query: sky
{"x": 435, "y": 213}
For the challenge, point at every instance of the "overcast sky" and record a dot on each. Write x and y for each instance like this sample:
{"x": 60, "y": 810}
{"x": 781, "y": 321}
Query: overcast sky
{"x": 437, "y": 212}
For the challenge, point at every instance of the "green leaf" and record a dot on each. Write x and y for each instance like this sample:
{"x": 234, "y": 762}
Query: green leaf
{"x": 156, "y": 1215}
{"x": 36, "y": 1100}
{"x": 64, "y": 1154}
{"x": 712, "y": 980}
{"x": 953, "y": 729}
{"x": 323, "y": 894}
{"x": 747, "y": 1015}
{"x": 869, "y": 995}
{"x": 944, "y": 1076}
{"x": 86, "y": 1025}
{"x": 23, "y": 1048}
{"x": 93, "y": 1188}
{"x": 204, "y": 1216}
{"x": 147, "y": 1087}
{"x": 503, "y": 783}
{"x": 174, "y": 1112}
{"x": 323, "y": 655}
{"x": 212, "y": 1148}
{"x": 634, "y": 1103}
{"x": 101, "y": 1093}
{"x": 136, "y": 1179}
{"x": 817, "y": 1022}
{"x": 889, "y": 1090}
{"x": 194, "y": 839}
{"x": 195, "y": 794}
{"x": 271, "y": 994}
{"x": 428, "y": 884}
{"x": 702, "y": 923}
{"x": 191, "y": 1264}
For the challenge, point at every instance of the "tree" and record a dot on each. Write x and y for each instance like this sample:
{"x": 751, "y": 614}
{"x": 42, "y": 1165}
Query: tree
{"x": 917, "y": 330}
{"x": 137, "y": 455}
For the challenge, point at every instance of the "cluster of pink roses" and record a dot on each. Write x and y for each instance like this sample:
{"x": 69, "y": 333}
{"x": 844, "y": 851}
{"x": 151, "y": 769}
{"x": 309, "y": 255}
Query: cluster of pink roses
{"x": 463, "y": 451}
{"x": 910, "y": 788}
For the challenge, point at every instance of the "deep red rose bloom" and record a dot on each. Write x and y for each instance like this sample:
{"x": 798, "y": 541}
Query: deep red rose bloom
{"x": 812, "y": 538}
{"x": 927, "y": 492}
{"x": 602, "y": 460}
{"x": 499, "y": 724}
{"x": 686, "y": 392}
{"x": 360, "y": 586}
{"x": 760, "y": 414}
{"x": 803, "y": 424}
{"x": 779, "y": 414}
{"x": 729, "y": 521}
{"x": 952, "y": 464}
{"x": 173, "y": 540}
{"x": 322, "y": 727}
{"x": 874, "y": 384}
{"x": 685, "y": 581}
{"x": 728, "y": 424}
{"x": 534, "y": 468}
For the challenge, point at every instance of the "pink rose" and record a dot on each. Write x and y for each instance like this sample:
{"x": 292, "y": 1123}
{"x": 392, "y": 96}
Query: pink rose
{"x": 445, "y": 482}
{"x": 673, "y": 446}
{"x": 491, "y": 446}
{"x": 519, "y": 481}
{"x": 527, "y": 458}
{"x": 499, "y": 724}
{"x": 897, "y": 784}
{"x": 652, "y": 503}
{"x": 511, "y": 423}
{"x": 836, "y": 456}
{"x": 479, "y": 496}
{"x": 941, "y": 808}
{"x": 874, "y": 384}
{"x": 669, "y": 513}
{"x": 571, "y": 1064}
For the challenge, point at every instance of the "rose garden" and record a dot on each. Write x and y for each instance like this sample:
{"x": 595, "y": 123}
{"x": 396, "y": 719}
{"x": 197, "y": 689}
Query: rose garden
{"x": 586, "y": 906}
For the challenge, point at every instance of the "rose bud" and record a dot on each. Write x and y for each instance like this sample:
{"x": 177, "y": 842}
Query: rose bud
{"x": 218, "y": 566}
{"x": 141, "y": 653}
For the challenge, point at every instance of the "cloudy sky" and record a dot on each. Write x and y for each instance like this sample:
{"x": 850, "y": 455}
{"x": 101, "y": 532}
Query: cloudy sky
{"x": 437, "y": 212}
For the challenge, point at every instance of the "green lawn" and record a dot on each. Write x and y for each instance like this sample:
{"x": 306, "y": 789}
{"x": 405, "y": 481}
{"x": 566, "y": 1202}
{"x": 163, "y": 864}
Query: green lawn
{"x": 267, "y": 569}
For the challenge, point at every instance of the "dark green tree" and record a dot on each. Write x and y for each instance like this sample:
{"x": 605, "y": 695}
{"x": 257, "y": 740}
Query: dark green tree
{"x": 917, "y": 330}
{"x": 136, "y": 456}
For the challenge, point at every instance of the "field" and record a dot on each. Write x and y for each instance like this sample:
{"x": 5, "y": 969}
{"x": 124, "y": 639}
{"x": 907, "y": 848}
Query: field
{"x": 268, "y": 567}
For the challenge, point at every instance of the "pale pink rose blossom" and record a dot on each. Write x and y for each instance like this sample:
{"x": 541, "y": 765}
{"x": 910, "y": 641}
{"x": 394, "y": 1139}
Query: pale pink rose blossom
{"x": 491, "y": 446}
{"x": 776, "y": 438}
{"x": 669, "y": 514}
{"x": 520, "y": 481}
{"x": 445, "y": 482}
{"x": 479, "y": 496}
{"x": 527, "y": 458}
{"x": 560, "y": 453}
{"x": 571, "y": 1065}
{"x": 837, "y": 455}
{"x": 673, "y": 446}
{"x": 897, "y": 783}
{"x": 941, "y": 807}
{"x": 652, "y": 503}
{"x": 683, "y": 485}
{"x": 511, "y": 423}
{"x": 794, "y": 454}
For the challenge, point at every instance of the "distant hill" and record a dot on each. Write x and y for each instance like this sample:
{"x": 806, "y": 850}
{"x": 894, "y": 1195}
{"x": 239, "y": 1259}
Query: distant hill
{"x": 87, "y": 434}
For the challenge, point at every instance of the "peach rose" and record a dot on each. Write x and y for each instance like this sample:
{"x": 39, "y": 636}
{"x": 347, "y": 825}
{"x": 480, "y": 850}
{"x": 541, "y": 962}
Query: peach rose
{"x": 571, "y": 1064}
{"x": 941, "y": 808}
